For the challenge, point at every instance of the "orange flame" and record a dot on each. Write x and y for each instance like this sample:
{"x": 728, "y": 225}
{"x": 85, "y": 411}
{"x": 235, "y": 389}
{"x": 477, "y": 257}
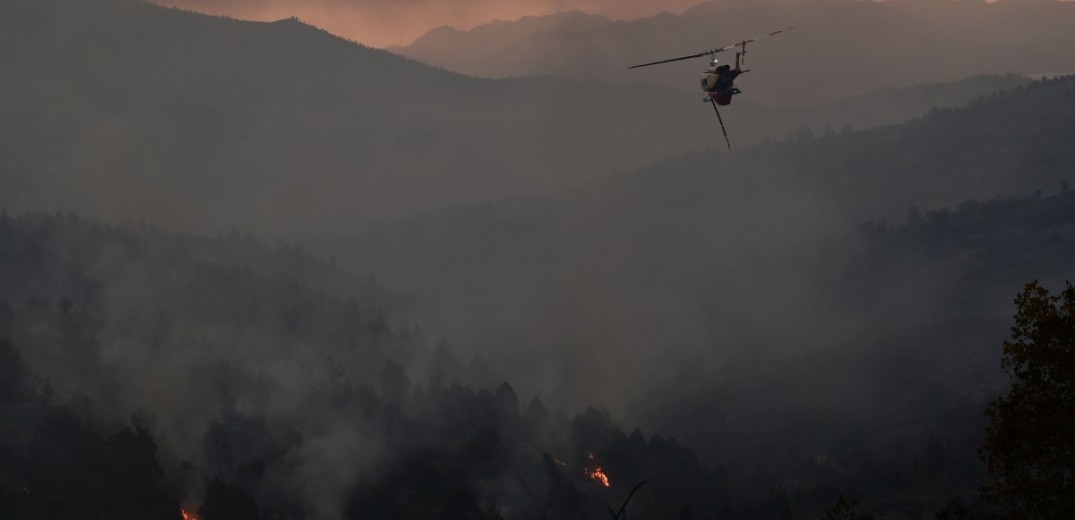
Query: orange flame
{"x": 186, "y": 515}
{"x": 599, "y": 476}
{"x": 597, "y": 473}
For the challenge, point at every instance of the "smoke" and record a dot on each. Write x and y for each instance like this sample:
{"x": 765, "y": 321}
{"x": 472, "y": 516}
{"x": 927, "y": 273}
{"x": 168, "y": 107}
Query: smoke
{"x": 728, "y": 297}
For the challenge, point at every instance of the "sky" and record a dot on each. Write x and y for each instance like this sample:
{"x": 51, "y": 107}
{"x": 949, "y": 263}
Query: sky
{"x": 382, "y": 23}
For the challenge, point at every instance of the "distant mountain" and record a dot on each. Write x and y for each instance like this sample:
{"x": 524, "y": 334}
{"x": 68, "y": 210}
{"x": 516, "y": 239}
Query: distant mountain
{"x": 838, "y": 49}
{"x": 127, "y": 110}
{"x": 488, "y": 41}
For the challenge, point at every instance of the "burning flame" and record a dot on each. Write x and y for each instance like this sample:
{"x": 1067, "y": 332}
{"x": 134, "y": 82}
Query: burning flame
{"x": 599, "y": 476}
{"x": 186, "y": 515}
{"x": 596, "y": 473}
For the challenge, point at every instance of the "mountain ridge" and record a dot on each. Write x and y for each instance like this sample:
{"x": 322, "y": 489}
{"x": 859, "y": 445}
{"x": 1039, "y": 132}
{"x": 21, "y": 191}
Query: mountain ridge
{"x": 261, "y": 102}
{"x": 126, "y": 110}
{"x": 898, "y": 44}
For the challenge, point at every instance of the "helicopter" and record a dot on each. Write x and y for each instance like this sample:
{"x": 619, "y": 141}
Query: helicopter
{"x": 718, "y": 81}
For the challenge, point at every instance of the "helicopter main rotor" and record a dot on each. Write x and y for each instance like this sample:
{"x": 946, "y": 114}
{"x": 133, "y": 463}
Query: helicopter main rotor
{"x": 742, "y": 44}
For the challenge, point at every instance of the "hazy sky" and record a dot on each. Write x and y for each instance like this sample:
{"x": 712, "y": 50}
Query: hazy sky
{"x": 380, "y": 23}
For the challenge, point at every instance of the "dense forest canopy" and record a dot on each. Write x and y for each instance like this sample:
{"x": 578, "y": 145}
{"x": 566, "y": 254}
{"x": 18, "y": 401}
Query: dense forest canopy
{"x": 263, "y": 376}
{"x": 365, "y": 415}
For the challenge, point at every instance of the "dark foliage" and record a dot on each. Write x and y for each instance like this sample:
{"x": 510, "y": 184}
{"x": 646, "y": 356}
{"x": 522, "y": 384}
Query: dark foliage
{"x": 846, "y": 509}
{"x": 1030, "y": 442}
{"x": 449, "y": 446}
{"x": 228, "y": 502}
{"x": 445, "y": 450}
{"x": 55, "y": 462}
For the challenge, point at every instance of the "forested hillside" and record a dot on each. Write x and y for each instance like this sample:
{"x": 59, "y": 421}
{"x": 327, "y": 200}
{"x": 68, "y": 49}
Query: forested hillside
{"x": 735, "y": 299}
{"x": 145, "y": 371}
{"x": 727, "y": 233}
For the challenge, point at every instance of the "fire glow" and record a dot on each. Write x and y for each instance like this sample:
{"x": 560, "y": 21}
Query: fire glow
{"x": 596, "y": 473}
{"x": 186, "y": 515}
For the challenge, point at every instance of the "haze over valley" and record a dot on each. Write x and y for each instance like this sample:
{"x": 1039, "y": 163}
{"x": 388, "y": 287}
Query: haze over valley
{"x": 257, "y": 270}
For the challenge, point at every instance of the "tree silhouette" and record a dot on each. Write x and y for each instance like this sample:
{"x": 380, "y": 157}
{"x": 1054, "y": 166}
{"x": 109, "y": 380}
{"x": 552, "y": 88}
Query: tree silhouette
{"x": 845, "y": 509}
{"x": 228, "y": 502}
{"x": 1030, "y": 443}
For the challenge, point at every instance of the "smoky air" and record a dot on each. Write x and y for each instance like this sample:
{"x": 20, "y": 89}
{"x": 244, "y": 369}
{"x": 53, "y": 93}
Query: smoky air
{"x": 416, "y": 260}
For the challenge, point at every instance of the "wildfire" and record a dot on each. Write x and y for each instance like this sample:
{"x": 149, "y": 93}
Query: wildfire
{"x": 596, "y": 473}
{"x": 599, "y": 475}
{"x": 186, "y": 515}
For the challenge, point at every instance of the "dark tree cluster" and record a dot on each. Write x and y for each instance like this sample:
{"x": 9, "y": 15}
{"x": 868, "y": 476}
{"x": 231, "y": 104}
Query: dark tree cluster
{"x": 451, "y": 442}
{"x": 1031, "y": 233}
{"x": 482, "y": 455}
{"x": 57, "y": 461}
